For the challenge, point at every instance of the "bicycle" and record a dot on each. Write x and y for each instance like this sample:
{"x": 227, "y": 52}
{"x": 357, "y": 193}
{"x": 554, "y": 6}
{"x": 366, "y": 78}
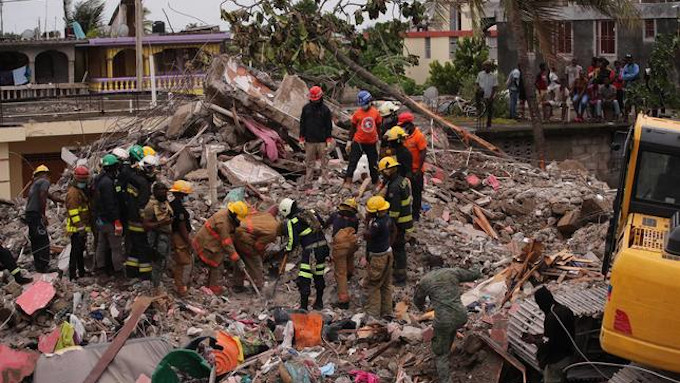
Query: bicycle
{"x": 460, "y": 106}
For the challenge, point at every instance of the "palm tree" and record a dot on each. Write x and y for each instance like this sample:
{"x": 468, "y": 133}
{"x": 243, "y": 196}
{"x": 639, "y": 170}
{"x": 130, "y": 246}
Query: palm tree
{"x": 540, "y": 13}
{"x": 88, "y": 13}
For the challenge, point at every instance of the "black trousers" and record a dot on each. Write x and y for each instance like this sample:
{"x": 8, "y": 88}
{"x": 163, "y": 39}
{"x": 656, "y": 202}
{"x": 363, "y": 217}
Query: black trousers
{"x": 138, "y": 263}
{"x": 304, "y": 281}
{"x": 417, "y": 185}
{"x": 40, "y": 241}
{"x": 355, "y": 154}
{"x": 76, "y": 260}
{"x": 400, "y": 260}
{"x": 7, "y": 261}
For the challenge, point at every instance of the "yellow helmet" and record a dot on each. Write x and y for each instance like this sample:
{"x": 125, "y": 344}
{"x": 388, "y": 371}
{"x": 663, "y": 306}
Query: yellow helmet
{"x": 387, "y": 163}
{"x": 41, "y": 169}
{"x": 395, "y": 133}
{"x": 239, "y": 208}
{"x": 377, "y": 203}
{"x": 149, "y": 151}
{"x": 181, "y": 186}
{"x": 349, "y": 203}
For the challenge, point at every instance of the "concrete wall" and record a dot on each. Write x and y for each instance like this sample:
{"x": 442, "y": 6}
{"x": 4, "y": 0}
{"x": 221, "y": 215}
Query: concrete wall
{"x": 33, "y": 50}
{"x": 416, "y": 46}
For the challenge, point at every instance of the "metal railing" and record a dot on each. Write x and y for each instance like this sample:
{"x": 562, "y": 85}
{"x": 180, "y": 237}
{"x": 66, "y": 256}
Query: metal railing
{"x": 35, "y": 91}
{"x": 180, "y": 83}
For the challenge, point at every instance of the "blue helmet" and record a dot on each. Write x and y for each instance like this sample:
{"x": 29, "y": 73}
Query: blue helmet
{"x": 364, "y": 98}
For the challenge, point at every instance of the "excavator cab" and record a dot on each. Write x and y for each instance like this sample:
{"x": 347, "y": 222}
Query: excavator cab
{"x": 643, "y": 250}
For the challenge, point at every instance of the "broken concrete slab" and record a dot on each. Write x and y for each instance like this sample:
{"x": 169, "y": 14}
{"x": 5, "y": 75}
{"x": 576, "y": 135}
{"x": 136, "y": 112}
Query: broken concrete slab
{"x": 291, "y": 96}
{"x": 37, "y": 296}
{"x": 244, "y": 169}
{"x": 179, "y": 122}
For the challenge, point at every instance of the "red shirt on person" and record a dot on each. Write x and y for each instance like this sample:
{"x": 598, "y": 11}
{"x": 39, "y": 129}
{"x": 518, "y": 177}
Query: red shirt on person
{"x": 415, "y": 143}
{"x": 366, "y": 123}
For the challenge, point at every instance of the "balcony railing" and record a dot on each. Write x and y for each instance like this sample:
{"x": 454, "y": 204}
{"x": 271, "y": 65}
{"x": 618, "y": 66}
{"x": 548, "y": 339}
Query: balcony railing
{"x": 35, "y": 91}
{"x": 169, "y": 83}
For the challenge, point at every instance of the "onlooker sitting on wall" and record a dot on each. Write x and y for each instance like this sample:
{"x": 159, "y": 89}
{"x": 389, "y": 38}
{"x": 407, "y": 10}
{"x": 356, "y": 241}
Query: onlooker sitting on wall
{"x": 593, "y": 102}
{"x": 558, "y": 97}
{"x": 579, "y": 97}
{"x": 607, "y": 100}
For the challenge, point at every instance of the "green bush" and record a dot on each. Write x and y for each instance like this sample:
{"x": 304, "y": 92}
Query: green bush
{"x": 451, "y": 77}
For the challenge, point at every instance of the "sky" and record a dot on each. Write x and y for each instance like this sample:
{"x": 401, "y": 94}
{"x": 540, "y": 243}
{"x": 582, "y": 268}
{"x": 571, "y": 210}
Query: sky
{"x": 19, "y": 16}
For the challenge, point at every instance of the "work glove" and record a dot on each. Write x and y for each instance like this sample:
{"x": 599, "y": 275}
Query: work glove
{"x": 348, "y": 147}
{"x": 118, "y": 228}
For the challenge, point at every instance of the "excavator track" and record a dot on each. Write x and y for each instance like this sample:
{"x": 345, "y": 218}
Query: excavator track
{"x": 633, "y": 375}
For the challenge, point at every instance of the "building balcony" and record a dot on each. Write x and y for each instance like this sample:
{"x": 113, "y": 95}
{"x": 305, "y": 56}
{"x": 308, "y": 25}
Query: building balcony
{"x": 180, "y": 83}
{"x": 35, "y": 91}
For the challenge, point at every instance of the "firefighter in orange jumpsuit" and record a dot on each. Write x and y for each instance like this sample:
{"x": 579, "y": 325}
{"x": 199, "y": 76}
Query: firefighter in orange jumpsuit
{"x": 256, "y": 231}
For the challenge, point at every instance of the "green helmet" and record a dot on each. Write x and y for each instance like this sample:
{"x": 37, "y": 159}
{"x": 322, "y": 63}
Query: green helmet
{"x": 109, "y": 160}
{"x": 136, "y": 152}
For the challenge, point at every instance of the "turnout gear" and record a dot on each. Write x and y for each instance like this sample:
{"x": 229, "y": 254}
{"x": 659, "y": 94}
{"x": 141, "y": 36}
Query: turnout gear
{"x": 138, "y": 193}
{"x": 213, "y": 241}
{"x": 8, "y": 263}
{"x": 159, "y": 237}
{"x": 107, "y": 207}
{"x": 315, "y": 93}
{"x": 41, "y": 169}
{"x": 251, "y": 238}
{"x": 136, "y": 153}
{"x": 77, "y": 224}
{"x": 345, "y": 225}
{"x": 441, "y": 286}
{"x": 379, "y": 273}
{"x": 399, "y": 197}
{"x": 181, "y": 245}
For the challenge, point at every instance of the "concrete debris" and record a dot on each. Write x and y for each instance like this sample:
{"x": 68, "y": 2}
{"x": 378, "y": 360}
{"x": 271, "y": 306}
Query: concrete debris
{"x": 242, "y": 170}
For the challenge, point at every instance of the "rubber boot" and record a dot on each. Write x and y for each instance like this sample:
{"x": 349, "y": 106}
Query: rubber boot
{"x": 318, "y": 303}
{"x": 304, "y": 302}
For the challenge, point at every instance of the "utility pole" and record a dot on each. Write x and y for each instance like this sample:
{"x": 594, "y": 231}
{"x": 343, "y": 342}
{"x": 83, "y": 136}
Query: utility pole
{"x": 139, "y": 32}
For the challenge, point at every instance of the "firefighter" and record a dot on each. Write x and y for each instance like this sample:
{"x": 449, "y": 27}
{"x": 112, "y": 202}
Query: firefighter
{"x": 108, "y": 218}
{"x": 78, "y": 222}
{"x": 345, "y": 224}
{"x": 181, "y": 235}
{"x": 137, "y": 195}
{"x": 148, "y": 151}
{"x": 416, "y": 143}
{"x": 216, "y": 239}
{"x": 158, "y": 218}
{"x": 394, "y": 139}
{"x": 256, "y": 231}
{"x": 304, "y": 228}
{"x": 388, "y": 112}
{"x": 36, "y": 219}
{"x": 123, "y": 177}
{"x": 379, "y": 233}
{"x": 398, "y": 194}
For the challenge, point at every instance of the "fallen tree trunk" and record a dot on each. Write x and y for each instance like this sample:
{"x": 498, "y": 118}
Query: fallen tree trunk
{"x": 464, "y": 135}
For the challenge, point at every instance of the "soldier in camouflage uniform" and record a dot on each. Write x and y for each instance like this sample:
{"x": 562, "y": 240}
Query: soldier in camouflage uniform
{"x": 449, "y": 313}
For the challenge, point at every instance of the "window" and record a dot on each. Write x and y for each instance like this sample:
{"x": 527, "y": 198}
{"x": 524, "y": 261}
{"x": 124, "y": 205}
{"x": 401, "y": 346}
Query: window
{"x": 563, "y": 37}
{"x": 605, "y": 37}
{"x": 454, "y": 18}
{"x": 428, "y": 48}
{"x": 657, "y": 178}
{"x": 453, "y": 47}
{"x": 650, "y": 29}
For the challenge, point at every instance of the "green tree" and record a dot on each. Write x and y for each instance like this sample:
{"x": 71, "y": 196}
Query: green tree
{"x": 468, "y": 60}
{"x": 661, "y": 89}
{"x": 88, "y": 13}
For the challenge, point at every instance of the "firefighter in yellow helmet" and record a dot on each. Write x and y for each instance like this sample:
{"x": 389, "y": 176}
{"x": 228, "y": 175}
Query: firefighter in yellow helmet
{"x": 216, "y": 239}
{"x": 345, "y": 224}
{"x": 78, "y": 221}
{"x": 181, "y": 235}
{"x": 380, "y": 230}
{"x": 36, "y": 218}
{"x": 398, "y": 194}
{"x": 394, "y": 147}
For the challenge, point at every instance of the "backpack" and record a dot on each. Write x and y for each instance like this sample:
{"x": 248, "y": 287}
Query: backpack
{"x": 310, "y": 219}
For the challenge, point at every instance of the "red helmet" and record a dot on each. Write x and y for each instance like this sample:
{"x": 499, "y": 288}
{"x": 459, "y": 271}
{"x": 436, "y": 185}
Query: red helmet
{"x": 81, "y": 173}
{"x": 404, "y": 118}
{"x": 315, "y": 93}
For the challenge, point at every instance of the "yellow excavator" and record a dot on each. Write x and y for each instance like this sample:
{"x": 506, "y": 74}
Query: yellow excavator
{"x": 641, "y": 319}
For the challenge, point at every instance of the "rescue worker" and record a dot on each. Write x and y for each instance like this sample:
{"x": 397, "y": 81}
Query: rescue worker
{"x": 216, "y": 239}
{"x": 398, "y": 194}
{"x": 158, "y": 217}
{"x": 345, "y": 224}
{"x": 304, "y": 228}
{"x": 7, "y": 262}
{"x": 137, "y": 195}
{"x": 122, "y": 178}
{"x": 394, "y": 139}
{"x": 364, "y": 136}
{"x": 78, "y": 222}
{"x": 380, "y": 229}
{"x": 148, "y": 151}
{"x": 316, "y": 127}
{"x": 388, "y": 112}
{"x": 555, "y": 353}
{"x": 416, "y": 143}
{"x": 108, "y": 218}
{"x": 255, "y": 232}
{"x": 36, "y": 219}
{"x": 441, "y": 286}
{"x": 181, "y": 235}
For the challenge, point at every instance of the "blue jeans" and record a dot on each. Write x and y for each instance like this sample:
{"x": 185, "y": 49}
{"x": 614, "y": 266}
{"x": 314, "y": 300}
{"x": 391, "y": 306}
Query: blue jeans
{"x": 514, "y": 97}
{"x": 614, "y": 104}
{"x": 580, "y": 103}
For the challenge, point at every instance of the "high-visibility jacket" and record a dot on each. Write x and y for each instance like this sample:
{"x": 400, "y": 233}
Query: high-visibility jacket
{"x": 399, "y": 197}
{"x": 300, "y": 232}
{"x": 137, "y": 194}
{"x": 77, "y": 210}
{"x": 256, "y": 232}
{"x": 214, "y": 239}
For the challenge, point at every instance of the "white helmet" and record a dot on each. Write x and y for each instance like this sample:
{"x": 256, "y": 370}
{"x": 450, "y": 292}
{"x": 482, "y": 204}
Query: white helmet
{"x": 286, "y": 207}
{"x": 387, "y": 108}
{"x": 121, "y": 153}
{"x": 149, "y": 161}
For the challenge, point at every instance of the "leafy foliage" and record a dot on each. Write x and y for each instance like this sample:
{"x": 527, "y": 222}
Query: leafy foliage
{"x": 88, "y": 13}
{"x": 660, "y": 90}
{"x": 449, "y": 77}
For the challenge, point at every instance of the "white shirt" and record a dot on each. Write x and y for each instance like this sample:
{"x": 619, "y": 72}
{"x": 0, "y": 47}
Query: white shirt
{"x": 572, "y": 72}
{"x": 487, "y": 81}
{"x": 513, "y": 80}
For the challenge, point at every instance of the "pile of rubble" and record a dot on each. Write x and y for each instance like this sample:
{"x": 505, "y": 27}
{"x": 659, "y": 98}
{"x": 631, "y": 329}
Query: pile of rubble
{"x": 517, "y": 223}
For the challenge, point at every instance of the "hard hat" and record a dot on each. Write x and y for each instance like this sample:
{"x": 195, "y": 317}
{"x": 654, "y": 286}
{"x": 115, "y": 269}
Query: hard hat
{"x": 350, "y": 203}
{"x": 315, "y": 93}
{"x": 148, "y": 151}
{"x": 395, "y": 133}
{"x": 149, "y": 161}
{"x": 376, "y": 203}
{"x": 181, "y": 186}
{"x": 121, "y": 153}
{"x": 81, "y": 173}
{"x": 387, "y": 163}
{"x": 286, "y": 207}
{"x": 405, "y": 117}
{"x": 136, "y": 153}
{"x": 109, "y": 160}
{"x": 239, "y": 208}
{"x": 387, "y": 108}
{"x": 364, "y": 98}
{"x": 41, "y": 169}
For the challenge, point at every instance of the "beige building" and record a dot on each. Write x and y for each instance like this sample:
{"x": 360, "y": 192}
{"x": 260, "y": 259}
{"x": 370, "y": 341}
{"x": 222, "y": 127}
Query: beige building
{"x": 438, "y": 40}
